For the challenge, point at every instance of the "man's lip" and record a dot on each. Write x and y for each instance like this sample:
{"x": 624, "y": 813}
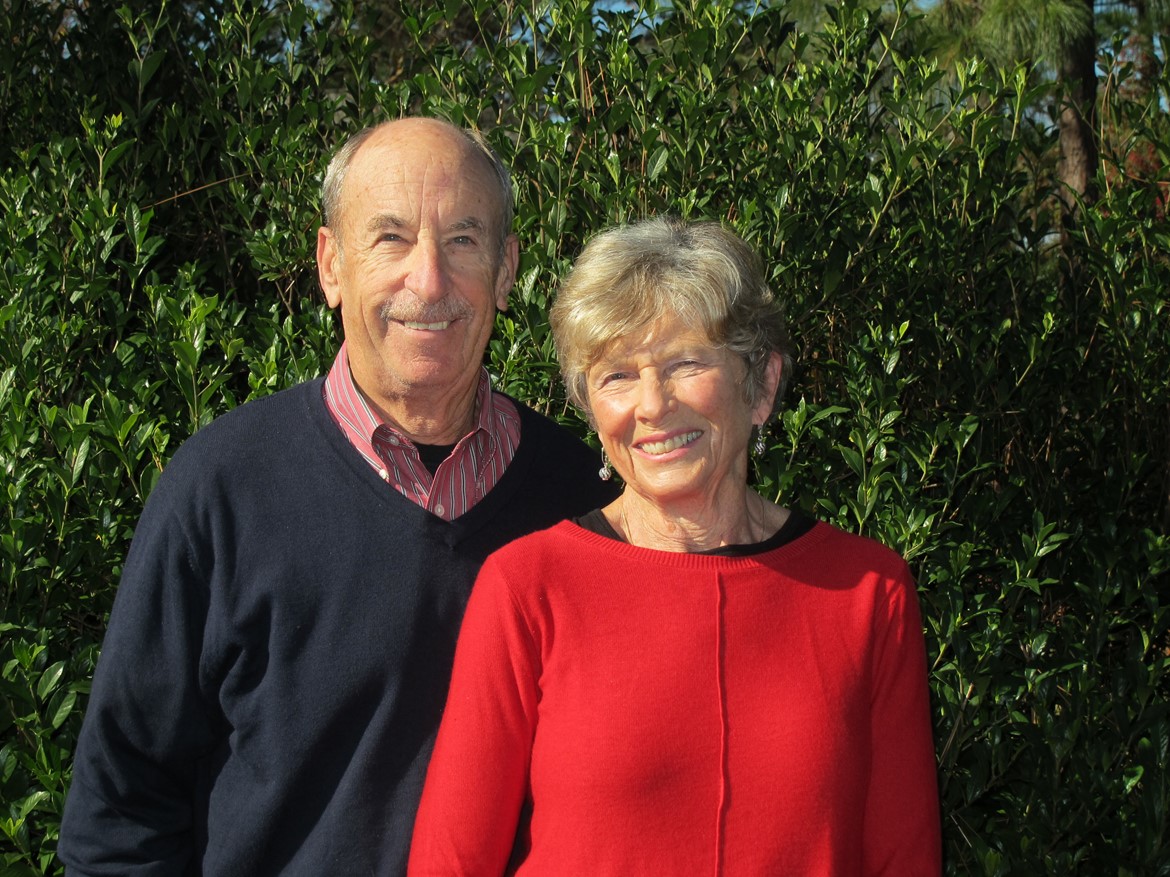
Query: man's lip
{"x": 425, "y": 327}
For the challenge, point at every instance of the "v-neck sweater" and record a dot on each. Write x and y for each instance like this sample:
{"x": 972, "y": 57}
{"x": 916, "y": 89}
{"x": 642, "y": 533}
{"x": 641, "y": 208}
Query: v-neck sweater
{"x": 279, "y": 649}
{"x": 617, "y": 710}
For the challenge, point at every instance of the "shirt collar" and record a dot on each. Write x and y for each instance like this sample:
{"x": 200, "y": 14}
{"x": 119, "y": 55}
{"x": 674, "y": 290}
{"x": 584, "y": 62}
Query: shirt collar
{"x": 358, "y": 420}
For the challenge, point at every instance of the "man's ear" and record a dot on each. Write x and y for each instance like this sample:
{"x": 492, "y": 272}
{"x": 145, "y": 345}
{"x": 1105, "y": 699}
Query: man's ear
{"x": 328, "y": 257}
{"x": 506, "y": 275}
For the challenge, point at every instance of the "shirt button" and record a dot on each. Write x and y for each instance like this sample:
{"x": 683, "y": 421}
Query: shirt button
{"x": 394, "y": 440}
{"x": 384, "y": 475}
{"x": 440, "y": 510}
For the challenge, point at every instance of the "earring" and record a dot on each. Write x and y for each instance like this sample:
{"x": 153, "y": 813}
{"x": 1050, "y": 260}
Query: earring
{"x": 760, "y": 447}
{"x": 604, "y": 473}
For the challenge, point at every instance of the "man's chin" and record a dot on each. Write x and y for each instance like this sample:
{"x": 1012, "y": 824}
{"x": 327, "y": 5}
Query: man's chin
{"x": 431, "y": 376}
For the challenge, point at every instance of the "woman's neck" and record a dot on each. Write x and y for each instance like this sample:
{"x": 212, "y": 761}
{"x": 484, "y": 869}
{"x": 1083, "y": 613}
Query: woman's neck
{"x": 743, "y": 519}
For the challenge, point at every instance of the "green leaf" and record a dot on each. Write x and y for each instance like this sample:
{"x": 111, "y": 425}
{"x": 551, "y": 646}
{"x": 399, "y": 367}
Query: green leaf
{"x": 658, "y": 162}
{"x": 150, "y": 65}
{"x": 49, "y": 680}
{"x": 186, "y": 354}
{"x": 61, "y": 708}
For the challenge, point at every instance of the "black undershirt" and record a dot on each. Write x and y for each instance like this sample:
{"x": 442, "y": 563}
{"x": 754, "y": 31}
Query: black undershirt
{"x": 432, "y": 456}
{"x": 797, "y": 525}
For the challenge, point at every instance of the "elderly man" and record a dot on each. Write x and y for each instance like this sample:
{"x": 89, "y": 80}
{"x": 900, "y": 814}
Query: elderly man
{"x": 279, "y": 650}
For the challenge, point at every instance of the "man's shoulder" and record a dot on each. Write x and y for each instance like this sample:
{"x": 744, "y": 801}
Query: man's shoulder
{"x": 258, "y": 420}
{"x": 252, "y": 436}
{"x": 556, "y": 468}
{"x": 543, "y": 430}
{"x": 553, "y": 449}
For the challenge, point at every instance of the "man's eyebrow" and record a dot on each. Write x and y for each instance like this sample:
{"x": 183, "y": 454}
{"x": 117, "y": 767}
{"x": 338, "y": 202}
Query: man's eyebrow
{"x": 389, "y": 221}
{"x": 384, "y": 221}
{"x": 469, "y": 223}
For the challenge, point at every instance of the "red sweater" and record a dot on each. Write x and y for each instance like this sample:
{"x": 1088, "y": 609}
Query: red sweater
{"x": 617, "y": 710}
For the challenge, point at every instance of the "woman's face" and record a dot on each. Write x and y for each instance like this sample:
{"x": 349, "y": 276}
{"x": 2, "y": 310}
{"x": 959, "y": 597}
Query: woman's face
{"x": 671, "y": 411}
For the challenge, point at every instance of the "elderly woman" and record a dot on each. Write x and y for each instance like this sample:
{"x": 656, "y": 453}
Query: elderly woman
{"x": 691, "y": 680}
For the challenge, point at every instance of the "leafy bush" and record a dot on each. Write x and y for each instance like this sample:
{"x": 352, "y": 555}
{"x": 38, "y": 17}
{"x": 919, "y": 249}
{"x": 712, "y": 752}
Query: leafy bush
{"x": 988, "y": 402}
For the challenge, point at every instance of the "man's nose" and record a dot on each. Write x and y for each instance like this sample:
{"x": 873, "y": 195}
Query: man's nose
{"x": 427, "y": 271}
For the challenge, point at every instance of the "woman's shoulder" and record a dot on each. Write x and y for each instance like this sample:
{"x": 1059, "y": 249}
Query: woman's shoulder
{"x": 556, "y": 566}
{"x": 551, "y": 544}
{"x": 829, "y": 546}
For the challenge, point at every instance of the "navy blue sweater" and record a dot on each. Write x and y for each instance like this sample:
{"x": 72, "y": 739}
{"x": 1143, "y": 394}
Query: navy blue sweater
{"x": 279, "y": 650}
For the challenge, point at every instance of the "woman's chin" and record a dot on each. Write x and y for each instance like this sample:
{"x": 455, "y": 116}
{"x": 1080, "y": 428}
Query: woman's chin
{"x": 671, "y": 489}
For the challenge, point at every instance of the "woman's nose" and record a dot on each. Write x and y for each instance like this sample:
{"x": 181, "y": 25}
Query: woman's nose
{"x": 654, "y": 398}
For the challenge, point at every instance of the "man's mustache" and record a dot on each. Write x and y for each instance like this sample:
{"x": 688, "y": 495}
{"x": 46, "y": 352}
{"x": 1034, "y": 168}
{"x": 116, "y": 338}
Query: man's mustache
{"x": 444, "y": 310}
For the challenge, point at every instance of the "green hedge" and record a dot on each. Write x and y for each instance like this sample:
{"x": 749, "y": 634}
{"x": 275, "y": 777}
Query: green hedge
{"x": 979, "y": 394}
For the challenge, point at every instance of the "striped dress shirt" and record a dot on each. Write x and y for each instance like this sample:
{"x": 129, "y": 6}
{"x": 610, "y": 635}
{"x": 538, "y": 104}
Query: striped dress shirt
{"x": 463, "y": 479}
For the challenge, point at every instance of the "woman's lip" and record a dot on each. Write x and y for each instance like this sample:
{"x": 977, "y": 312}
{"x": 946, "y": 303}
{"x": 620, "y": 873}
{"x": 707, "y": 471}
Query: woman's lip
{"x": 658, "y": 447}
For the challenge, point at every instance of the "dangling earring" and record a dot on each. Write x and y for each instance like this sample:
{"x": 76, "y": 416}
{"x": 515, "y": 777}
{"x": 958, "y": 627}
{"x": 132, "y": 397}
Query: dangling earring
{"x": 604, "y": 473}
{"x": 760, "y": 447}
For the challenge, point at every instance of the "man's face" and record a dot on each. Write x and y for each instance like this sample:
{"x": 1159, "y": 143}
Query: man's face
{"x": 414, "y": 261}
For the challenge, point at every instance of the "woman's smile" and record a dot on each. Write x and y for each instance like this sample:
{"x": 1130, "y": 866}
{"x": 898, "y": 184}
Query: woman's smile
{"x": 671, "y": 410}
{"x": 665, "y": 446}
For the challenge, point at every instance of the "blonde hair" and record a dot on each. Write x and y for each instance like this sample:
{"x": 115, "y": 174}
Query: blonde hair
{"x": 629, "y": 277}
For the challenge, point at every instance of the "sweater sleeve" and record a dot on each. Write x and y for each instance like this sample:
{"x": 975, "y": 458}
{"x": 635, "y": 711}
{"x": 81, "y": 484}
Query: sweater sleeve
{"x": 477, "y": 780}
{"x": 902, "y": 824}
{"x": 130, "y": 806}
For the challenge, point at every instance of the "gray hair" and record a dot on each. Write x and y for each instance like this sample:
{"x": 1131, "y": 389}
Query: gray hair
{"x": 339, "y": 165}
{"x": 628, "y": 277}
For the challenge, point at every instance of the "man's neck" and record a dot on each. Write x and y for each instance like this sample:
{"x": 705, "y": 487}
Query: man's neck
{"x": 439, "y": 419}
